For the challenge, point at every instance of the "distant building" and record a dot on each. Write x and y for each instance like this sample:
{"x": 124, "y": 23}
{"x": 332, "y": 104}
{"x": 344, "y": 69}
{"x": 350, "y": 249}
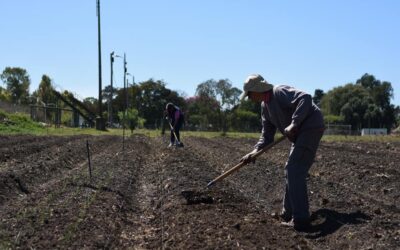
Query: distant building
{"x": 373, "y": 131}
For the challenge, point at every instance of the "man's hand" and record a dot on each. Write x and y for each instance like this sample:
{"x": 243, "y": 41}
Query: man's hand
{"x": 291, "y": 132}
{"x": 248, "y": 158}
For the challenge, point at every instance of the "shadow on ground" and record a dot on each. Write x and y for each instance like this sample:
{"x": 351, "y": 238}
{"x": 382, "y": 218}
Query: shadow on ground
{"x": 327, "y": 221}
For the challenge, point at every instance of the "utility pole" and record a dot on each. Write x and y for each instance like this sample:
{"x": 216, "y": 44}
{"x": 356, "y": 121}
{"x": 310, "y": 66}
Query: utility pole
{"x": 110, "y": 114}
{"x": 125, "y": 81}
{"x": 133, "y": 92}
{"x": 124, "y": 115}
{"x": 127, "y": 93}
{"x": 100, "y": 124}
{"x": 110, "y": 109}
{"x": 129, "y": 104}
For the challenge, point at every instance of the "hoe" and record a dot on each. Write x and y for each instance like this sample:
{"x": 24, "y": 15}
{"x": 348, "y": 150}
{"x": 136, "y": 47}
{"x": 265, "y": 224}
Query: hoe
{"x": 178, "y": 144}
{"x": 195, "y": 197}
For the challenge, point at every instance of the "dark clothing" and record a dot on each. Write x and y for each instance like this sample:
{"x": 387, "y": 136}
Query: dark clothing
{"x": 287, "y": 106}
{"x": 176, "y": 130}
{"x": 301, "y": 157}
{"x": 176, "y": 118}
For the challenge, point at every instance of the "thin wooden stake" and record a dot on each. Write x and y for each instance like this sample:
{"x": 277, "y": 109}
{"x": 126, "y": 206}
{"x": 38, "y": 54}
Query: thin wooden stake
{"x": 88, "y": 155}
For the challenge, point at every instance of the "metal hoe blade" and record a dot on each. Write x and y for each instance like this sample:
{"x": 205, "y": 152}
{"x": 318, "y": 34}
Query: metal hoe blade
{"x": 196, "y": 197}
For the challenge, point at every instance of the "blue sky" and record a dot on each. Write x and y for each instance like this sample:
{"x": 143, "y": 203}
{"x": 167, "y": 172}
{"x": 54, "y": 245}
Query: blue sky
{"x": 306, "y": 44}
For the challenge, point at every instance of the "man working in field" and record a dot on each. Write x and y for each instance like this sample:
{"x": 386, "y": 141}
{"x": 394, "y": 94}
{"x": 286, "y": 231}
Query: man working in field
{"x": 294, "y": 114}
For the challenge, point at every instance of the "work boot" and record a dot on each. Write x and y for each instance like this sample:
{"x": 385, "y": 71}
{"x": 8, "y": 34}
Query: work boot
{"x": 282, "y": 216}
{"x": 285, "y": 216}
{"x": 300, "y": 225}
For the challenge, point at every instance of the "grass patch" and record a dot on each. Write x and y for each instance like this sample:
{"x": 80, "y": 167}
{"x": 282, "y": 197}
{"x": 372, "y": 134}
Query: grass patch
{"x": 17, "y": 124}
{"x": 366, "y": 138}
{"x": 12, "y": 124}
{"x": 220, "y": 134}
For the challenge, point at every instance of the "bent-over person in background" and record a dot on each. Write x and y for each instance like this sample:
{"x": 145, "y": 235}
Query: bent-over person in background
{"x": 176, "y": 119}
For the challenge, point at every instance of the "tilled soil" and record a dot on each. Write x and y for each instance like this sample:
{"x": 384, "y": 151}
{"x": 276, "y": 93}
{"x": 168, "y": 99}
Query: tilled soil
{"x": 136, "y": 196}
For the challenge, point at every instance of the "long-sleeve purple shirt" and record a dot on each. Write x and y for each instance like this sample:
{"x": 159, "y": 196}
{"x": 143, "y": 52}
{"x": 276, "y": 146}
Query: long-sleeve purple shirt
{"x": 288, "y": 105}
{"x": 175, "y": 115}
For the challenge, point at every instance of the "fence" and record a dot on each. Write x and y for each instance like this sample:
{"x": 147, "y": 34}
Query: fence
{"x": 14, "y": 108}
{"x": 55, "y": 115}
{"x": 339, "y": 130}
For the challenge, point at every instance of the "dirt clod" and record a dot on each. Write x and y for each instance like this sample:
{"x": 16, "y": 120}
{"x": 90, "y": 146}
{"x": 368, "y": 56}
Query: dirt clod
{"x": 195, "y": 197}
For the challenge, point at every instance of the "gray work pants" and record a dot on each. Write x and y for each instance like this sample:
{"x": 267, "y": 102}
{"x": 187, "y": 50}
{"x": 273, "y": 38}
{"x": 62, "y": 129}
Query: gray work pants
{"x": 302, "y": 154}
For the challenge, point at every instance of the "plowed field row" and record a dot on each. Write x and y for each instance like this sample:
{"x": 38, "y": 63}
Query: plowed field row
{"x": 134, "y": 199}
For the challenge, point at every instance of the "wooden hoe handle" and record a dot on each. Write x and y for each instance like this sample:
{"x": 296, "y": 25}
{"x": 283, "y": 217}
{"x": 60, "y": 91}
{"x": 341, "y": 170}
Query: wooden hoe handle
{"x": 241, "y": 164}
{"x": 176, "y": 138}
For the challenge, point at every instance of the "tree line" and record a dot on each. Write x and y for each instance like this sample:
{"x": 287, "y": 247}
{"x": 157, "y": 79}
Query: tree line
{"x": 215, "y": 106}
{"x": 363, "y": 104}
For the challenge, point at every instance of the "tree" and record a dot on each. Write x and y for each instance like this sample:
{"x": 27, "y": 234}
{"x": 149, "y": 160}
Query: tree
{"x": 224, "y": 94}
{"x": 250, "y": 106}
{"x": 244, "y": 120}
{"x": 151, "y": 98}
{"x": 333, "y": 101}
{"x": 318, "y": 94}
{"x": 380, "y": 92}
{"x": 368, "y": 81}
{"x": 17, "y": 81}
{"x": 4, "y": 95}
{"x": 389, "y": 117}
{"x": 373, "y": 116}
{"x": 227, "y": 95}
{"x": 205, "y": 104}
{"x": 203, "y": 112}
{"x": 132, "y": 119}
{"x": 91, "y": 104}
{"x": 106, "y": 93}
{"x": 45, "y": 90}
{"x": 397, "y": 115}
{"x": 353, "y": 112}
{"x": 364, "y": 104}
{"x": 220, "y": 90}
{"x": 207, "y": 88}
{"x": 246, "y": 116}
{"x": 333, "y": 119}
{"x": 45, "y": 95}
{"x": 383, "y": 113}
{"x": 234, "y": 97}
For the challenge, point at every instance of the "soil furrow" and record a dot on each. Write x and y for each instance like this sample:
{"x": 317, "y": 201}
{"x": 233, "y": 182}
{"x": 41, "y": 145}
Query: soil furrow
{"x": 225, "y": 223}
{"x": 135, "y": 199}
{"x": 262, "y": 183}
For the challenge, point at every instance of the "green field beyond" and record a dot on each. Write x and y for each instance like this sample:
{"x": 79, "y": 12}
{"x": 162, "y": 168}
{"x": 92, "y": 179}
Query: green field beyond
{"x": 13, "y": 124}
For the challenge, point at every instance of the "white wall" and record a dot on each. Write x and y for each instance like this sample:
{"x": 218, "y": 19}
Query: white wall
{"x": 374, "y": 131}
